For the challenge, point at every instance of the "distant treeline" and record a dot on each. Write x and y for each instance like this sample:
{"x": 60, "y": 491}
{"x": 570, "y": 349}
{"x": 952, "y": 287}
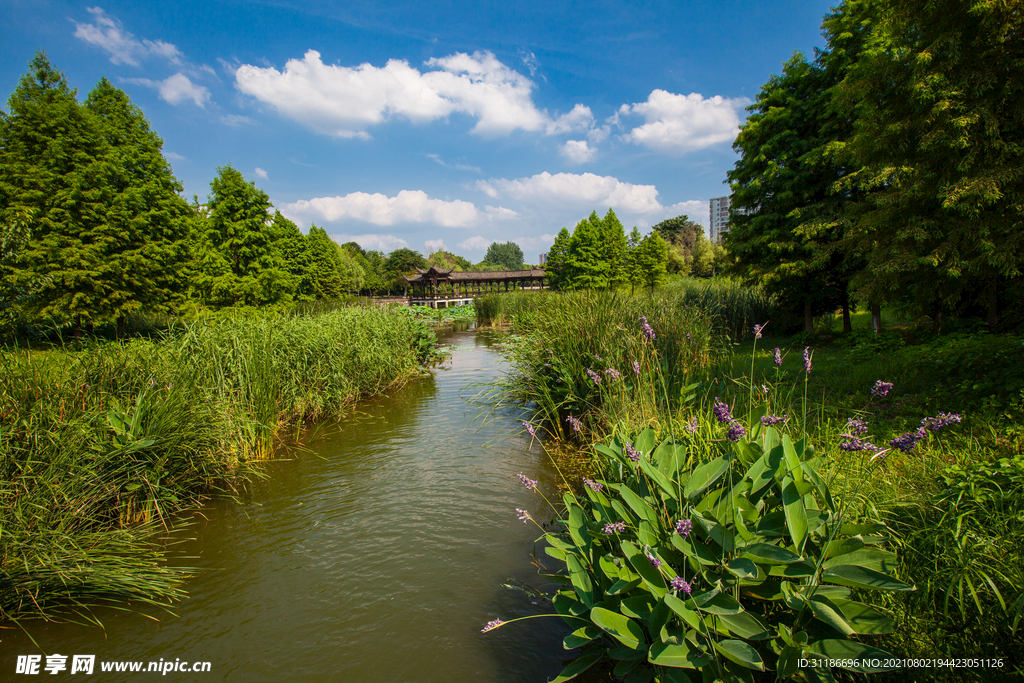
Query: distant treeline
{"x": 93, "y": 226}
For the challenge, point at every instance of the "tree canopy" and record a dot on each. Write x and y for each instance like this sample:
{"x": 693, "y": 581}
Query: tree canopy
{"x": 508, "y": 255}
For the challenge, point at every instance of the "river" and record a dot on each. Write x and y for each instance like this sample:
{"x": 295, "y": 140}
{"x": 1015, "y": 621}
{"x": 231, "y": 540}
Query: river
{"x": 378, "y": 555}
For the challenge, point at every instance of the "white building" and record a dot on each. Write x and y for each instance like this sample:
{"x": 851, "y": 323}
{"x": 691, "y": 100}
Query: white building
{"x": 719, "y": 217}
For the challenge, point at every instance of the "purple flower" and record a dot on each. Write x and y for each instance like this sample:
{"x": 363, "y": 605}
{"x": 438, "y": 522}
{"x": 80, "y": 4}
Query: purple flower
{"x": 807, "y": 359}
{"x": 777, "y": 357}
{"x": 692, "y": 426}
{"x": 680, "y": 584}
{"x": 654, "y": 560}
{"x": 613, "y": 374}
{"x": 757, "y": 331}
{"x": 646, "y": 328}
{"x": 548, "y": 365}
{"x": 722, "y": 411}
{"x": 574, "y": 423}
{"x": 615, "y": 528}
{"x": 881, "y": 388}
{"x": 527, "y": 482}
{"x": 906, "y": 442}
{"x": 491, "y": 625}
{"x": 596, "y": 357}
{"x": 736, "y": 430}
{"x": 632, "y": 453}
{"x": 856, "y": 426}
{"x": 852, "y": 443}
{"x": 594, "y": 377}
{"x": 636, "y": 368}
{"x": 684, "y": 527}
{"x": 689, "y": 336}
{"x": 769, "y": 420}
{"x": 530, "y": 429}
{"x": 595, "y": 486}
{"x": 934, "y": 424}
{"x": 523, "y": 516}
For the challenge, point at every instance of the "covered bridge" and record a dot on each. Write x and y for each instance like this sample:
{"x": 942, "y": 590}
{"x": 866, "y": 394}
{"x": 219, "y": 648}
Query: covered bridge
{"x": 444, "y": 287}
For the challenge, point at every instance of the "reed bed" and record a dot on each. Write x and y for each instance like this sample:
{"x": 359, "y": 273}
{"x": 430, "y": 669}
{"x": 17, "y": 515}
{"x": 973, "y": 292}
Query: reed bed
{"x": 102, "y": 444}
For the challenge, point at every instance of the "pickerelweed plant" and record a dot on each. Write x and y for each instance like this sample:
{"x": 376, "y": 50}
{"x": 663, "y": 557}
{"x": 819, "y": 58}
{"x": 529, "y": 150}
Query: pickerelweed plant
{"x": 723, "y": 553}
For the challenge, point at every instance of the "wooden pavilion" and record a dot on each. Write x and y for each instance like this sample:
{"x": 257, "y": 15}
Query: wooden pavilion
{"x": 444, "y": 287}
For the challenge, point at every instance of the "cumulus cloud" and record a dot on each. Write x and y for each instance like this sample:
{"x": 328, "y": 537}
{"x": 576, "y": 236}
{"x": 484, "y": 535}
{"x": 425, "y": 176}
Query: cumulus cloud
{"x": 109, "y": 35}
{"x": 373, "y": 241}
{"x": 176, "y": 89}
{"x": 236, "y": 120}
{"x": 475, "y": 243}
{"x": 408, "y": 206}
{"x": 434, "y": 245}
{"x": 260, "y": 173}
{"x": 344, "y": 101}
{"x": 577, "y": 152}
{"x": 585, "y": 190}
{"x": 677, "y": 124}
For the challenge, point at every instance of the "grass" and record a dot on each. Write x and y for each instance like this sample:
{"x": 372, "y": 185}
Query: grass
{"x": 954, "y": 505}
{"x": 102, "y": 443}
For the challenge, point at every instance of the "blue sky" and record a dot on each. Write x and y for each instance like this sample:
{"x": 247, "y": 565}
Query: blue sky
{"x": 428, "y": 124}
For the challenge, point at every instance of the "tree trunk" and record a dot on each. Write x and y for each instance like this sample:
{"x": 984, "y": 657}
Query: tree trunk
{"x": 993, "y": 301}
{"x": 876, "y": 318}
{"x": 847, "y": 325}
{"x": 120, "y": 327}
{"x": 808, "y": 316}
{"x": 76, "y": 329}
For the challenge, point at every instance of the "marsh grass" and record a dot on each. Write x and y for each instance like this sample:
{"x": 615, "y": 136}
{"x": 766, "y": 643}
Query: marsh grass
{"x": 102, "y": 443}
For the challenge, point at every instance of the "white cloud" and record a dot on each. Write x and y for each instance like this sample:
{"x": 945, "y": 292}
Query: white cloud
{"x": 577, "y": 152}
{"x": 458, "y": 167}
{"x": 174, "y": 157}
{"x": 236, "y": 120}
{"x": 343, "y": 101}
{"x": 677, "y": 124}
{"x": 434, "y": 245}
{"x": 584, "y": 190}
{"x": 408, "y": 206}
{"x": 176, "y": 89}
{"x": 373, "y": 241}
{"x": 476, "y": 243}
{"x": 261, "y": 173}
{"x": 109, "y": 35}
{"x": 500, "y": 213}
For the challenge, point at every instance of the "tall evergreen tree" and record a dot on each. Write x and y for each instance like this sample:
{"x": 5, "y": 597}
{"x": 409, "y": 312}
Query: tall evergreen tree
{"x": 585, "y": 264}
{"x": 509, "y": 255}
{"x": 652, "y": 259}
{"x": 144, "y": 233}
{"x": 324, "y": 264}
{"x": 634, "y": 271}
{"x": 614, "y": 239}
{"x": 556, "y": 262}
{"x": 289, "y": 241}
{"x": 238, "y": 263}
{"x": 53, "y": 175}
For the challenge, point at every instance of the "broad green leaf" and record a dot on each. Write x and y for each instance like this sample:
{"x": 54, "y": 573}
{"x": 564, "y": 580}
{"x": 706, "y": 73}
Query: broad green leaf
{"x": 761, "y": 473}
{"x": 608, "y": 567}
{"x": 691, "y": 547}
{"x": 788, "y": 661}
{"x": 796, "y": 515}
{"x": 638, "y": 504}
{"x": 705, "y": 475}
{"x": 666, "y": 486}
{"x": 651, "y": 575}
{"x": 646, "y": 534}
{"x": 637, "y": 607}
{"x": 843, "y": 546}
{"x": 850, "y": 652}
{"x": 658, "y": 619}
{"x": 614, "y": 453}
{"x": 692, "y": 619}
{"x": 556, "y": 553}
{"x": 793, "y": 468}
{"x": 645, "y": 441}
{"x": 567, "y": 604}
{"x": 742, "y": 567}
{"x": 861, "y": 529}
{"x": 623, "y": 629}
{"x": 870, "y": 558}
{"x": 745, "y": 625}
{"x": 723, "y": 603}
{"x": 620, "y": 587}
{"x": 793, "y": 571}
{"x": 865, "y": 619}
{"x": 578, "y": 666}
{"x": 580, "y": 579}
{"x": 770, "y": 590}
{"x": 812, "y": 474}
{"x": 627, "y": 654}
{"x": 557, "y": 542}
{"x": 739, "y": 652}
{"x": 581, "y": 637}
{"x": 623, "y": 514}
{"x": 577, "y": 528}
{"x": 682, "y": 656}
{"x": 861, "y": 577}
{"x": 830, "y": 613}
{"x": 766, "y": 553}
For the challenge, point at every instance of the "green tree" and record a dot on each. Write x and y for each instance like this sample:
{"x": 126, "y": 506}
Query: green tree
{"x": 146, "y": 226}
{"x": 402, "y": 263}
{"x": 585, "y": 264}
{"x": 940, "y": 145}
{"x": 289, "y": 241}
{"x": 652, "y": 259}
{"x": 614, "y": 242}
{"x": 238, "y": 263}
{"x": 680, "y": 231}
{"x": 446, "y": 259}
{"x": 556, "y": 262}
{"x": 507, "y": 254}
{"x": 353, "y": 277}
{"x": 634, "y": 271}
{"x": 324, "y": 264}
{"x": 53, "y": 183}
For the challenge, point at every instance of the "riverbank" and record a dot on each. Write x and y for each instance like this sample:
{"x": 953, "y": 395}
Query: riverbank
{"x": 948, "y": 480}
{"x": 102, "y": 443}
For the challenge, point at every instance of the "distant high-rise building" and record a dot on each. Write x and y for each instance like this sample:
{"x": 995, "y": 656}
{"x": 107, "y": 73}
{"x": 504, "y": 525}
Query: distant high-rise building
{"x": 543, "y": 258}
{"x": 719, "y": 215}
